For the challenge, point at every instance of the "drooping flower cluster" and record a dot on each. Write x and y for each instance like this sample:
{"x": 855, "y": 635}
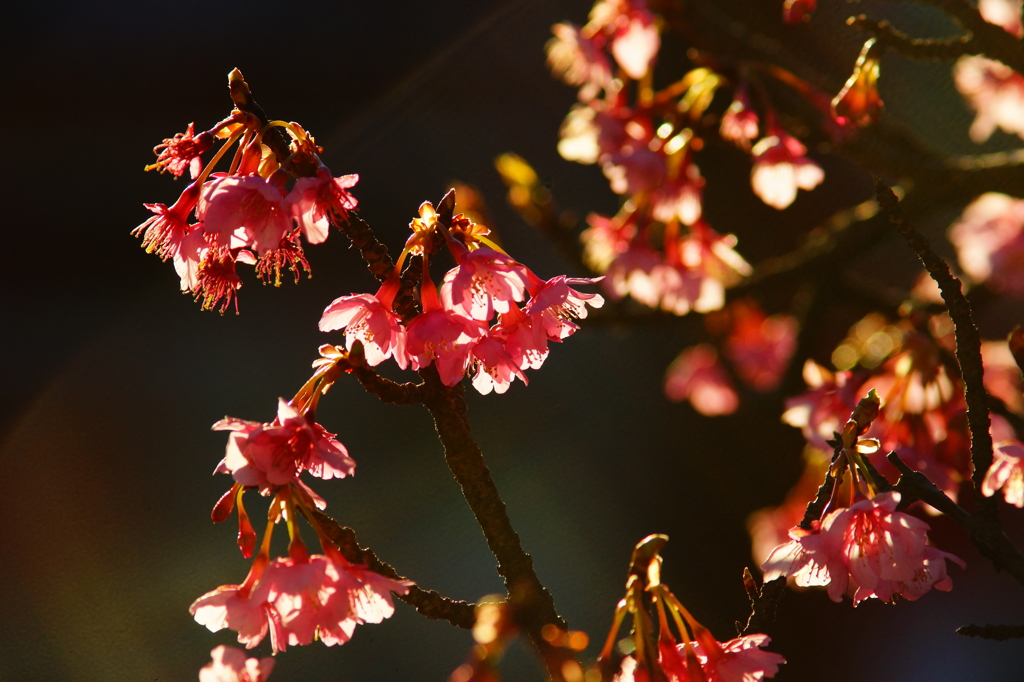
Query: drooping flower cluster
{"x": 492, "y": 318}
{"x": 757, "y": 346}
{"x": 301, "y": 597}
{"x": 247, "y": 214}
{"x": 867, "y": 549}
{"x": 695, "y": 655}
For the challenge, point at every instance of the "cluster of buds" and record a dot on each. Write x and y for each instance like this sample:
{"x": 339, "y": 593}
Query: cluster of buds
{"x": 866, "y": 549}
{"x": 247, "y": 214}
{"x": 492, "y": 317}
{"x": 758, "y": 348}
{"x": 301, "y": 597}
{"x": 691, "y": 654}
{"x": 923, "y": 413}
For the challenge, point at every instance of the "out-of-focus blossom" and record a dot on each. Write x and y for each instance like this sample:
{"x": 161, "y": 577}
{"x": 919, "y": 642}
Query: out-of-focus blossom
{"x": 605, "y": 240}
{"x": 242, "y": 212}
{"x": 868, "y": 548}
{"x": 1006, "y": 472}
{"x": 740, "y": 122}
{"x": 634, "y": 167}
{"x": 698, "y": 376}
{"x": 769, "y": 527}
{"x": 313, "y": 202}
{"x": 229, "y": 664}
{"x": 578, "y": 61}
{"x": 370, "y": 320}
{"x": 1003, "y": 378}
{"x": 274, "y": 454}
{"x": 822, "y": 411}
{"x": 1005, "y": 13}
{"x": 858, "y": 102}
{"x": 995, "y": 91}
{"x": 780, "y": 168}
{"x": 758, "y": 346}
{"x": 795, "y": 11}
{"x": 989, "y": 238}
{"x": 679, "y": 196}
{"x": 634, "y": 36}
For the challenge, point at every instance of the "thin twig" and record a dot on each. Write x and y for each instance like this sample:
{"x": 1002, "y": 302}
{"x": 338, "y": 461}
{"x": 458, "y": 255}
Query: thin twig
{"x": 915, "y": 48}
{"x": 427, "y": 602}
{"x": 999, "y": 633}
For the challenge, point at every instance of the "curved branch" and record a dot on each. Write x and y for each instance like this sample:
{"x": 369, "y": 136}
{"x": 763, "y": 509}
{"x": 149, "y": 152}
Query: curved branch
{"x": 427, "y": 602}
{"x": 889, "y": 38}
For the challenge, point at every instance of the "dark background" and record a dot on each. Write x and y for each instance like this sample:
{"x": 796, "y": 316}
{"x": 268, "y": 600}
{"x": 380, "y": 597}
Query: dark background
{"x": 111, "y": 377}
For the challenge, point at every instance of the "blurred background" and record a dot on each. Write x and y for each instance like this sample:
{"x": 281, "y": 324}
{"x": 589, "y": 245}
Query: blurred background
{"x": 111, "y": 378}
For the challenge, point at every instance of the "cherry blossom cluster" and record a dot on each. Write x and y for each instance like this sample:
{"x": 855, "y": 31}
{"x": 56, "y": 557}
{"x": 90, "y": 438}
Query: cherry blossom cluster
{"x": 758, "y": 348}
{"x": 866, "y": 549}
{"x": 246, "y": 214}
{"x": 923, "y": 415}
{"x": 691, "y": 653}
{"x": 301, "y": 597}
{"x": 491, "y": 319}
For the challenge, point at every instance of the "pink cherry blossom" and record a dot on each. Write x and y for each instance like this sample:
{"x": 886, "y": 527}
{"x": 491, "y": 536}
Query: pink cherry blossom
{"x": 869, "y": 549}
{"x": 240, "y": 212}
{"x": 739, "y": 122}
{"x": 1006, "y": 472}
{"x": 438, "y": 335}
{"x": 578, "y": 61}
{"x": 635, "y": 273}
{"x": 1005, "y": 13}
{"x": 738, "y": 660}
{"x": 604, "y": 241}
{"x": 995, "y": 91}
{"x": 164, "y": 232}
{"x": 223, "y": 608}
{"x": 679, "y": 197}
{"x": 496, "y": 369}
{"x": 589, "y": 132}
{"x": 823, "y": 410}
{"x": 274, "y": 454}
{"x": 313, "y": 201}
{"x": 696, "y": 375}
{"x": 555, "y": 304}
{"x": 760, "y": 347}
{"x": 780, "y": 168}
{"x": 189, "y": 254}
{"x": 523, "y": 337}
{"x": 370, "y": 320}
{"x": 485, "y": 281}
{"x": 635, "y": 45}
{"x": 634, "y": 167}
{"x": 1003, "y": 378}
{"x": 182, "y": 151}
{"x": 989, "y": 238}
{"x": 229, "y": 664}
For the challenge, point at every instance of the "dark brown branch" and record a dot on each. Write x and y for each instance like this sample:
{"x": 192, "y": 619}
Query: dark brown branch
{"x": 764, "y": 604}
{"x": 891, "y": 39}
{"x": 988, "y": 39}
{"x": 968, "y": 346}
{"x": 986, "y": 536}
{"x": 534, "y": 604}
{"x": 427, "y": 602}
{"x": 816, "y": 506}
{"x": 387, "y": 390}
{"x": 999, "y": 633}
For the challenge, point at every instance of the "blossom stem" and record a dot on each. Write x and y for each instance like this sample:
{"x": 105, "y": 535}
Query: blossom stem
{"x": 217, "y": 157}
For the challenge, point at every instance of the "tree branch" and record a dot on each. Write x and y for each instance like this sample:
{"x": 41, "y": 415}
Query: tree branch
{"x": 915, "y": 48}
{"x": 968, "y": 347}
{"x": 999, "y": 633}
{"x": 764, "y": 604}
{"x": 427, "y": 602}
{"x": 986, "y": 536}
